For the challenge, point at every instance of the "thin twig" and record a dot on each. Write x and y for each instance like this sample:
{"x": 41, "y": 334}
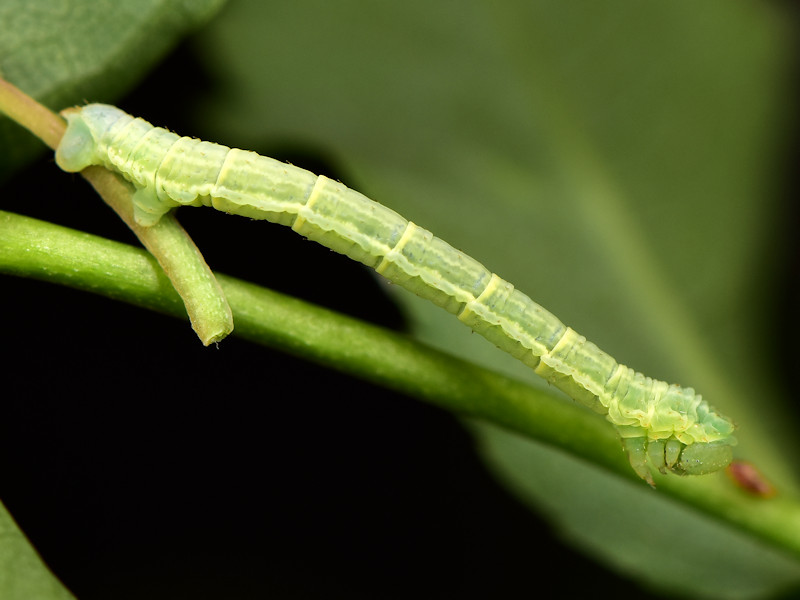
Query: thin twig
{"x": 167, "y": 241}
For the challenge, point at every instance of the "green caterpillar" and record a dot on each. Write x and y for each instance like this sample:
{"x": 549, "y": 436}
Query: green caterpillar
{"x": 669, "y": 426}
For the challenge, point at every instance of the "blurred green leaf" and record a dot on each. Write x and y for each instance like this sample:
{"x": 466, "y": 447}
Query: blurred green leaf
{"x": 63, "y": 53}
{"x": 23, "y": 575}
{"x": 614, "y": 160}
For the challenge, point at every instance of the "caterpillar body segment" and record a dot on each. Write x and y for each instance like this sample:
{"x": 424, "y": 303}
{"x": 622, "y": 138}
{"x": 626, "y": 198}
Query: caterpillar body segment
{"x": 664, "y": 426}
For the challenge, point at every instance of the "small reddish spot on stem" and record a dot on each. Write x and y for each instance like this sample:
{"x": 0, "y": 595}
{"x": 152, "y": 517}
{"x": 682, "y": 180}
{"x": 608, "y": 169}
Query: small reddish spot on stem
{"x": 750, "y": 479}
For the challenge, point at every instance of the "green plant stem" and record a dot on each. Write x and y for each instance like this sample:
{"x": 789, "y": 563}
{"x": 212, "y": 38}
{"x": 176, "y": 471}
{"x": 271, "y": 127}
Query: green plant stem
{"x": 209, "y": 312}
{"x": 35, "y": 117}
{"x": 32, "y": 248}
{"x": 208, "y": 309}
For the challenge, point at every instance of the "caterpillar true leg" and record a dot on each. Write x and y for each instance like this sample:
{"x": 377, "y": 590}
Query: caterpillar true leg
{"x": 637, "y": 454}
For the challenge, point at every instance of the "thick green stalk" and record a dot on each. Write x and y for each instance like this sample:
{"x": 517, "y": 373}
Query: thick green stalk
{"x": 44, "y": 251}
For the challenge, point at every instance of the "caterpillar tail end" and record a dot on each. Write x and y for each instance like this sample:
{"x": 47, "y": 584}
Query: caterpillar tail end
{"x": 147, "y": 208}
{"x": 75, "y": 151}
{"x": 77, "y": 148}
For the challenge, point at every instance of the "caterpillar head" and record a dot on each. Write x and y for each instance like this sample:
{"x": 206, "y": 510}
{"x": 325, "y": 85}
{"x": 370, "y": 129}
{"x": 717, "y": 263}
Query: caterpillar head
{"x": 85, "y": 126}
{"x": 701, "y": 458}
{"x": 676, "y": 457}
{"x": 698, "y": 458}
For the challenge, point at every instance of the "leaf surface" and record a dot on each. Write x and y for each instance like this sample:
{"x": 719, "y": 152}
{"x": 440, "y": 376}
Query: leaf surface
{"x": 615, "y": 161}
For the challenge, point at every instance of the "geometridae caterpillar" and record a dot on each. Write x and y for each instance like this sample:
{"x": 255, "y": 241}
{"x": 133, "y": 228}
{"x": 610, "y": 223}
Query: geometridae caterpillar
{"x": 670, "y": 426}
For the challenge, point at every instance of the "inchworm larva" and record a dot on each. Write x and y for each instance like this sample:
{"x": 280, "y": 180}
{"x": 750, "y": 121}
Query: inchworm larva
{"x": 668, "y": 425}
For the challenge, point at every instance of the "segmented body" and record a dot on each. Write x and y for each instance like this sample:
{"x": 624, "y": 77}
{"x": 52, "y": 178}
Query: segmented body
{"x": 671, "y": 425}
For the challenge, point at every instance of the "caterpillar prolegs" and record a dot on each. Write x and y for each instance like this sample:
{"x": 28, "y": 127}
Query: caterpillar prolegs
{"x": 667, "y": 426}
